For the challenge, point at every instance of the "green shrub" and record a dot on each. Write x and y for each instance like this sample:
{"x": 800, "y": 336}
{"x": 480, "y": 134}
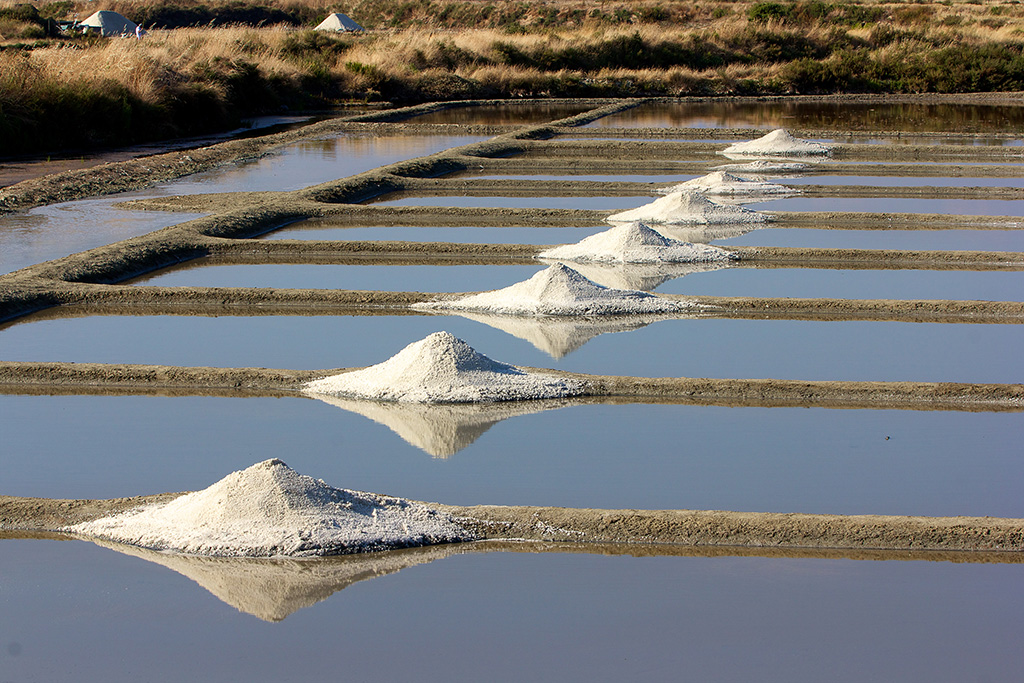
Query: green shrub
{"x": 769, "y": 11}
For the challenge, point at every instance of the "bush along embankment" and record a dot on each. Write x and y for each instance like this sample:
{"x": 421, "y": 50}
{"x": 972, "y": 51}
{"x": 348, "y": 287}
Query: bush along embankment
{"x": 75, "y": 93}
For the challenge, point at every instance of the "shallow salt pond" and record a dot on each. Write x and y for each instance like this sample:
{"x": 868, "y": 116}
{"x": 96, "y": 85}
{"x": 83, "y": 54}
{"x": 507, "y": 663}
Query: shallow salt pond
{"x": 952, "y": 240}
{"x": 629, "y": 456}
{"x": 498, "y": 201}
{"x": 822, "y": 283}
{"x": 464, "y": 278}
{"x": 783, "y": 349}
{"x": 795, "y": 114}
{"x": 54, "y": 231}
{"x": 592, "y": 617}
{"x": 502, "y": 114}
{"x": 323, "y": 229}
{"x": 968, "y": 207}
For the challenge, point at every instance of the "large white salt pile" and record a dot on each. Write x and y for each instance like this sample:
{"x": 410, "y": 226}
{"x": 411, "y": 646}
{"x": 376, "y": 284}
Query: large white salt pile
{"x": 270, "y": 509}
{"x": 645, "y": 277}
{"x": 687, "y": 207}
{"x": 636, "y": 243}
{"x": 778, "y": 143}
{"x": 444, "y": 369}
{"x": 560, "y": 290}
{"x": 722, "y": 183}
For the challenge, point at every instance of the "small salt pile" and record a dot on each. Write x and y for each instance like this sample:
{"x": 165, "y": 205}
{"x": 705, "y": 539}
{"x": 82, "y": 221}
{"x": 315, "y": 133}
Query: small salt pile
{"x": 687, "y": 207}
{"x": 271, "y": 510}
{"x": 777, "y": 143}
{"x": 443, "y": 369}
{"x": 560, "y": 290}
{"x": 722, "y": 183}
{"x": 636, "y": 243}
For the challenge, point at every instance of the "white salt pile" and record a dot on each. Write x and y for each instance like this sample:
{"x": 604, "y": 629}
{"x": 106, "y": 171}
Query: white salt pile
{"x": 444, "y": 369}
{"x": 269, "y": 510}
{"x": 645, "y": 277}
{"x": 636, "y": 243}
{"x": 560, "y": 290}
{"x": 687, "y": 207}
{"x": 722, "y": 183}
{"x": 777, "y": 143}
{"x": 762, "y": 168}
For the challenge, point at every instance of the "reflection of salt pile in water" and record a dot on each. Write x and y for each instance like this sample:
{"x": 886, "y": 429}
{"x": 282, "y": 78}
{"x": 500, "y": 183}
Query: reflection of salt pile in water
{"x": 268, "y": 510}
{"x": 442, "y": 430}
{"x": 636, "y": 243}
{"x": 443, "y": 369}
{"x": 765, "y": 169}
{"x": 645, "y": 277}
{"x": 272, "y": 588}
{"x": 777, "y": 143}
{"x": 707, "y": 233}
{"x": 687, "y": 207}
{"x": 722, "y": 183}
{"x": 559, "y": 336}
{"x": 560, "y": 290}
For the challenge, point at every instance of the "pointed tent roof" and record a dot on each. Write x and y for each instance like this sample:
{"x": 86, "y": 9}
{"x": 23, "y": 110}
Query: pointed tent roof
{"x": 338, "y": 22}
{"x": 109, "y": 24}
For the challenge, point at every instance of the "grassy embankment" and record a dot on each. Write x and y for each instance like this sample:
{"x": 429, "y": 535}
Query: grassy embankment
{"x": 201, "y": 68}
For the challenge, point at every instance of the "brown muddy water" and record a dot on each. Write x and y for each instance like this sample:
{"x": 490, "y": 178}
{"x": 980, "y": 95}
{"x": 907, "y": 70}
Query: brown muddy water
{"x": 530, "y": 610}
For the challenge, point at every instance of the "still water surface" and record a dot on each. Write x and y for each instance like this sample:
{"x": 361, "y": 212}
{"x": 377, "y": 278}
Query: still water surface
{"x": 783, "y": 349}
{"x": 518, "y": 617}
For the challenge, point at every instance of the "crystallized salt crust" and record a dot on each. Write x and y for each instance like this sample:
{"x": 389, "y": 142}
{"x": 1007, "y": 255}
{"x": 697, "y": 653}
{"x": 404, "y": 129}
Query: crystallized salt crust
{"x": 443, "y": 369}
{"x": 778, "y": 143}
{"x": 687, "y": 207}
{"x": 271, "y": 510}
{"x": 636, "y": 243}
{"x": 560, "y": 290}
{"x": 722, "y": 183}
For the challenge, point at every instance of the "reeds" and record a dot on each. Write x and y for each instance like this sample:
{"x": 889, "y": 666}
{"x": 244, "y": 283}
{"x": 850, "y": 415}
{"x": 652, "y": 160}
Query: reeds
{"x": 194, "y": 79}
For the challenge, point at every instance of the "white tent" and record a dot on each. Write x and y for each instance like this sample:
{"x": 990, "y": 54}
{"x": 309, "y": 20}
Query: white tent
{"x": 108, "y": 23}
{"x": 338, "y": 22}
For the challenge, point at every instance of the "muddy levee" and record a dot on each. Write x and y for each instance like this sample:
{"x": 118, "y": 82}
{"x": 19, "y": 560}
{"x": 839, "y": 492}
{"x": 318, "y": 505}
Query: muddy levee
{"x": 99, "y": 281}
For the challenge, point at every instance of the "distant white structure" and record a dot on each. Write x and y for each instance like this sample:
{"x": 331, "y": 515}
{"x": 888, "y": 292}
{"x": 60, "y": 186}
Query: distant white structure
{"x": 107, "y": 23}
{"x": 338, "y": 23}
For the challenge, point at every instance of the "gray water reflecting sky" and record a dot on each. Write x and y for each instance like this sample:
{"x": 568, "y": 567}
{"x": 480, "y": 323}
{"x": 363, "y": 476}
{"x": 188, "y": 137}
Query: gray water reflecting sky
{"x": 518, "y": 617}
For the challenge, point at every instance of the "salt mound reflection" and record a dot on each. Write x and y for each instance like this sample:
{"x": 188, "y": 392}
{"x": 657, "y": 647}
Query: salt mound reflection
{"x": 560, "y": 336}
{"x": 440, "y": 429}
{"x": 645, "y": 277}
{"x": 273, "y": 588}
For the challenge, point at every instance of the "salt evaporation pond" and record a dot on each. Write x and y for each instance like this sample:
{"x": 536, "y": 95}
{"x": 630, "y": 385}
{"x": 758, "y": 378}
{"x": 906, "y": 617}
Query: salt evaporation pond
{"x": 953, "y": 240}
{"x": 500, "y": 202}
{"x": 874, "y": 116}
{"x": 54, "y": 231}
{"x": 728, "y": 348}
{"x": 814, "y": 460}
{"x": 502, "y": 114}
{"x": 897, "y": 181}
{"x": 323, "y": 229}
{"x": 733, "y": 618}
{"x": 411, "y": 278}
{"x": 968, "y": 207}
{"x": 819, "y": 283}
